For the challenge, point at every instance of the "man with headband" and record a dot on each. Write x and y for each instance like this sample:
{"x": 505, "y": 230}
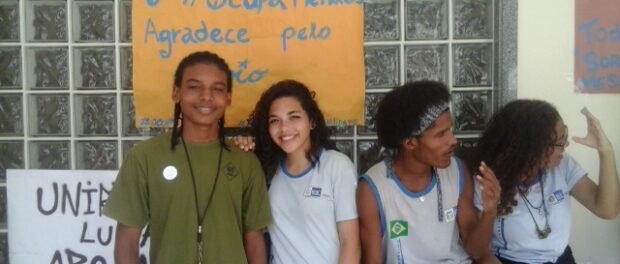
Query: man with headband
{"x": 417, "y": 206}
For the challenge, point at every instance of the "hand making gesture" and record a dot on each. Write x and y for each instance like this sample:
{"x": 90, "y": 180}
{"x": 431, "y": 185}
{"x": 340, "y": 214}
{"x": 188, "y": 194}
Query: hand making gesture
{"x": 596, "y": 137}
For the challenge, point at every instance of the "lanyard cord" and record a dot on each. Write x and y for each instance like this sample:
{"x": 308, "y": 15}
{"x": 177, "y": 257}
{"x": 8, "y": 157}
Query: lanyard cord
{"x": 542, "y": 233}
{"x": 201, "y": 216}
{"x": 439, "y": 196}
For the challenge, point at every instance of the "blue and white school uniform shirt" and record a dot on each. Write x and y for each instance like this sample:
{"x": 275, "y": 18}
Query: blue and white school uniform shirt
{"x": 410, "y": 226}
{"x": 307, "y": 207}
{"x": 515, "y": 236}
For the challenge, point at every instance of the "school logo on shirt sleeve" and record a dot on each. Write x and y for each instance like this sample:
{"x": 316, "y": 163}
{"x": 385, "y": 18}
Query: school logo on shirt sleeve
{"x": 399, "y": 228}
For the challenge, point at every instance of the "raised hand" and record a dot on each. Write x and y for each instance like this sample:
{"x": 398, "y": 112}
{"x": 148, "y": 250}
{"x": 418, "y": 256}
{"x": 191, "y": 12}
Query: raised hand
{"x": 489, "y": 188}
{"x": 595, "y": 138}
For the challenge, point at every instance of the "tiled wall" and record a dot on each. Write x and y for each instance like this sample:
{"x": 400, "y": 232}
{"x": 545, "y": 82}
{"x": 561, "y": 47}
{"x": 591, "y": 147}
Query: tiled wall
{"x": 66, "y": 90}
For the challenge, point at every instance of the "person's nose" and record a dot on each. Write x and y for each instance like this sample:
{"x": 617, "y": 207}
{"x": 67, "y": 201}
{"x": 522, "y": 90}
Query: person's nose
{"x": 206, "y": 94}
{"x": 453, "y": 140}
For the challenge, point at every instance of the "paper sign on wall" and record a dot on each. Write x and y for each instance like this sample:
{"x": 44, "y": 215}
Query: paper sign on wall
{"x": 597, "y": 46}
{"x": 54, "y": 216}
{"x": 317, "y": 42}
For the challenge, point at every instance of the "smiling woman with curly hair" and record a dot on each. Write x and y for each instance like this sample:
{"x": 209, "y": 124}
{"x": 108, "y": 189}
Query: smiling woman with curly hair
{"x": 312, "y": 186}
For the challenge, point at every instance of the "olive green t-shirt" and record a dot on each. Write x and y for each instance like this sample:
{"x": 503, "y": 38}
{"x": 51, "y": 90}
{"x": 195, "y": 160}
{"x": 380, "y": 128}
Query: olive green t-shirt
{"x": 154, "y": 186}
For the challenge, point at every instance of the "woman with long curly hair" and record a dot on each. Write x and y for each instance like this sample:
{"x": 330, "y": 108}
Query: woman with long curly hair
{"x": 312, "y": 186}
{"x": 524, "y": 144}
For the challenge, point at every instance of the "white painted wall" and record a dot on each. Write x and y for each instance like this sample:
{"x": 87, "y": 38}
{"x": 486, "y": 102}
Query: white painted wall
{"x": 545, "y": 71}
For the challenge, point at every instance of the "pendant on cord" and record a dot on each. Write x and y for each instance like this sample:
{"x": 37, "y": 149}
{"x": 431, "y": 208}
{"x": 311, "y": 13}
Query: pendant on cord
{"x": 542, "y": 234}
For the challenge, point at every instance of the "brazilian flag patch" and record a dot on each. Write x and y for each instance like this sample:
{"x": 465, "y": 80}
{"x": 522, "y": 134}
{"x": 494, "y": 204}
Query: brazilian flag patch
{"x": 398, "y": 228}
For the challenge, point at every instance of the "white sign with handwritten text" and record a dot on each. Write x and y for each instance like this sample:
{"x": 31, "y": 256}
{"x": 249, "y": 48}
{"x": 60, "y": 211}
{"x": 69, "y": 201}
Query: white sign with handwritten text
{"x": 54, "y": 216}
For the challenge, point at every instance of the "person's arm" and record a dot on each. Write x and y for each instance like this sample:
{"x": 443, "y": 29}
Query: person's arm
{"x": 254, "y": 244}
{"x": 488, "y": 259}
{"x": 476, "y": 228}
{"x": 602, "y": 199}
{"x": 256, "y": 213}
{"x": 370, "y": 224}
{"x": 126, "y": 247}
{"x": 348, "y": 234}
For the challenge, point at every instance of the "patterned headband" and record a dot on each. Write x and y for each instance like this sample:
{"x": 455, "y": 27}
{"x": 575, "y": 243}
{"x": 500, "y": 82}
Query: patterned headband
{"x": 429, "y": 116}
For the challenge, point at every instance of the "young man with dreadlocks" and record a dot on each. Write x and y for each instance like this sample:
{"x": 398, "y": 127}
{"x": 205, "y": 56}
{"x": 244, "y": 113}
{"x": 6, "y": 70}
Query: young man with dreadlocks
{"x": 417, "y": 206}
{"x": 204, "y": 202}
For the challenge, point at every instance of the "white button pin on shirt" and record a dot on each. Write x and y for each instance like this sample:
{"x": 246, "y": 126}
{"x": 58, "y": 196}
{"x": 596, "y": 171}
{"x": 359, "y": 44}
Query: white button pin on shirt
{"x": 170, "y": 172}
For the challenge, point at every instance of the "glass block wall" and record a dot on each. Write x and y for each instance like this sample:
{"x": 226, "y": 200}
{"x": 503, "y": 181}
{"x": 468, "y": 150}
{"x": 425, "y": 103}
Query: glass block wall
{"x": 445, "y": 40}
{"x": 66, "y": 86}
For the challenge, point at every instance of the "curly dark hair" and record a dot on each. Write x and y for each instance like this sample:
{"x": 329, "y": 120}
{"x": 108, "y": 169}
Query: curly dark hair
{"x": 401, "y": 110}
{"x": 200, "y": 57}
{"x": 267, "y": 151}
{"x": 515, "y": 144}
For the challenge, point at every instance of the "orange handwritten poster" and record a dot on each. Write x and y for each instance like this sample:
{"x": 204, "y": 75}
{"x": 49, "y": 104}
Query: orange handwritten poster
{"x": 317, "y": 42}
{"x": 597, "y": 46}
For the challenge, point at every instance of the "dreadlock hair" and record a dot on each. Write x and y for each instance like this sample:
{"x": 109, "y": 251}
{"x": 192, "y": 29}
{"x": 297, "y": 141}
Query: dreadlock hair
{"x": 401, "y": 110}
{"x": 515, "y": 144}
{"x": 200, "y": 57}
{"x": 267, "y": 151}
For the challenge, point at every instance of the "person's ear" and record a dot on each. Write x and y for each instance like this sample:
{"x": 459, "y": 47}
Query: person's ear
{"x": 411, "y": 143}
{"x": 228, "y": 98}
{"x": 176, "y": 97}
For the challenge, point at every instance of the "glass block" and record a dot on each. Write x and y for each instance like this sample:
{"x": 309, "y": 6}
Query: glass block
{"x": 96, "y": 114}
{"x": 129, "y": 122}
{"x": 3, "y": 209}
{"x": 127, "y": 145}
{"x": 94, "y": 68}
{"x": 4, "y": 248}
{"x": 381, "y": 66}
{"x": 48, "y": 20}
{"x": 125, "y": 19}
{"x": 97, "y": 155}
{"x": 427, "y": 62}
{"x": 471, "y": 110}
{"x": 340, "y": 130}
{"x": 93, "y": 21}
{"x": 473, "y": 19}
{"x": 346, "y": 147}
{"x": 370, "y": 108}
{"x": 369, "y": 152}
{"x": 126, "y": 68}
{"x": 381, "y": 20}
{"x": 11, "y": 118}
{"x": 54, "y": 155}
{"x": 49, "y": 115}
{"x": 9, "y": 22}
{"x": 473, "y": 64}
{"x": 129, "y": 115}
{"x": 465, "y": 148}
{"x": 48, "y": 68}
{"x": 426, "y": 19}
{"x": 10, "y": 68}
{"x": 11, "y": 156}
